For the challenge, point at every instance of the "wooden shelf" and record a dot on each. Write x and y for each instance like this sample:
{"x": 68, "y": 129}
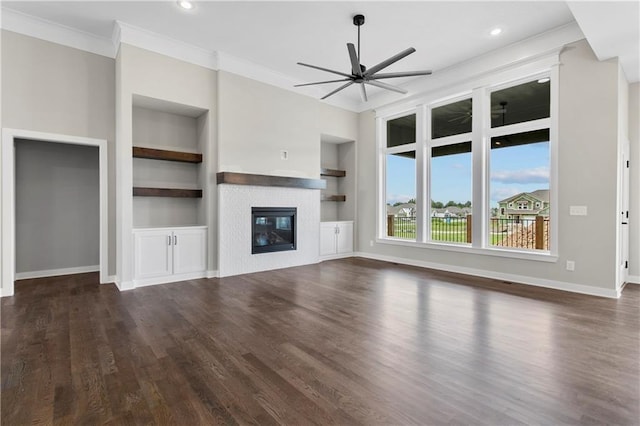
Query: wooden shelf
{"x": 333, "y": 198}
{"x": 268, "y": 180}
{"x": 161, "y": 154}
{"x": 332, "y": 172}
{"x": 166, "y": 192}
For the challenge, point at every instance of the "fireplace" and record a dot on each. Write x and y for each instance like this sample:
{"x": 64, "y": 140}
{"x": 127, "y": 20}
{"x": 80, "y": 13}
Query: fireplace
{"x": 273, "y": 229}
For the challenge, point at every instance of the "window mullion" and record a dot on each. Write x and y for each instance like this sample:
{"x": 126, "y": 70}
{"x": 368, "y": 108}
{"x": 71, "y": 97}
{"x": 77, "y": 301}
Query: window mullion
{"x": 479, "y": 154}
{"x": 424, "y": 194}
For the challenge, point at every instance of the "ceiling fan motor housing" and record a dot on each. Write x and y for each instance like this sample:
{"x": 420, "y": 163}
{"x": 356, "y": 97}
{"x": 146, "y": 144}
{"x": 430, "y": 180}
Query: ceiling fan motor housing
{"x": 358, "y": 20}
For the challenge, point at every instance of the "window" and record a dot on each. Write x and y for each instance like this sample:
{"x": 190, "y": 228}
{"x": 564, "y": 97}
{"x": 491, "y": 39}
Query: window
{"x": 494, "y": 144}
{"x": 400, "y": 182}
{"x": 450, "y": 172}
{"x": 519, "y": 163}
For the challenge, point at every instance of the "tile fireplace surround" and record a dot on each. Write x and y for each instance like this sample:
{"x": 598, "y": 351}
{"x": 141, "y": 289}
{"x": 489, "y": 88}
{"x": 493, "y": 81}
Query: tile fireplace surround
{"x": 234, "y": 212}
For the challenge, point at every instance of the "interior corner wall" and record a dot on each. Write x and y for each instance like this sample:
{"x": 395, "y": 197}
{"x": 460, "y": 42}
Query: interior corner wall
{"x": 51, "y": 88}
{"x": 57, "y": 206}
{"x": 588, "y": 132}
{"x": 634, "y": 199}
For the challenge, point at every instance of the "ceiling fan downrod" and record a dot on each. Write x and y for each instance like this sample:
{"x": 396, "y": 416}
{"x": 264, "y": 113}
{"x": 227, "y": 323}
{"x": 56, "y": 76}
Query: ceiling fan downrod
{"x": 358, "y": 20}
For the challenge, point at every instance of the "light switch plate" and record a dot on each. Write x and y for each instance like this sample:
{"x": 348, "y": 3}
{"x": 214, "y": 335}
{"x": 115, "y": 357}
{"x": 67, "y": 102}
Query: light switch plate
{"x": 578, "y": 210}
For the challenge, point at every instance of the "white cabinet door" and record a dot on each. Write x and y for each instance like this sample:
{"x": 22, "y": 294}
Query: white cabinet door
{"x": 152, "y": 252}
{"x": 189, "y": 250}
{"x": 327, "y": 238}
{"x": 344, "y": 237}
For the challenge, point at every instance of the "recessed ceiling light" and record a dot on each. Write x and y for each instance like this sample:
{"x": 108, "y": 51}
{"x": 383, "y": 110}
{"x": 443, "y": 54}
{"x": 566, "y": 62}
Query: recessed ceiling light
{"x": 544, "y": 80}
{"x": 495, "y": 31}
{"x": 185, "y": 4}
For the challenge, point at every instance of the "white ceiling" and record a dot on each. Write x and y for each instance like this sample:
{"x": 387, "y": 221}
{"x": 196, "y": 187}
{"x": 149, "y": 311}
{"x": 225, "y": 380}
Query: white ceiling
{"x": 276, "y": 35}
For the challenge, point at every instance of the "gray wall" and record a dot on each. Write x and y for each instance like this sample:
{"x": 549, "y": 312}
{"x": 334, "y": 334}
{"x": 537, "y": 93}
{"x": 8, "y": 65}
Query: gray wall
{"x": 57, "y": 206}
{"x": 587, "y": 176}
{"x": 57, "y": 89}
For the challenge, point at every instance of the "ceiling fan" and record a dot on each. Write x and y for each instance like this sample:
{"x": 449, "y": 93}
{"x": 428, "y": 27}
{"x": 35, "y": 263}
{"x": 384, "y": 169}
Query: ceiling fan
{"x": 361, "y": 75}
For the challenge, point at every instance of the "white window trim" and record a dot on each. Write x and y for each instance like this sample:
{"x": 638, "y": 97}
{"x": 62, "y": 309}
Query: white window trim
{"x": 481, "y": 136}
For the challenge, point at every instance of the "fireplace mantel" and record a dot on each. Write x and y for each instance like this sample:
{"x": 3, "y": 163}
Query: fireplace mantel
{"x": 268, "y": 180}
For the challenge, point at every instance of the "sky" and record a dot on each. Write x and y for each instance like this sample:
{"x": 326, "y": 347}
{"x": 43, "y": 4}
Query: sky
{"x": 517, "y": 169}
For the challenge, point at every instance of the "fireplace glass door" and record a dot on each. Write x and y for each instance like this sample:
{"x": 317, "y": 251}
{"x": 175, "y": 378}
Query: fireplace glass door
{"x": 273, "y": 229}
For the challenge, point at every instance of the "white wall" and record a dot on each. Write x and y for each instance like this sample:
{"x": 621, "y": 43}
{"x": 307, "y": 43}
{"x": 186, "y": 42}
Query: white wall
{"x": 51, "y": 88}
{"x": 587, "y": 176}
{"x": 57, "y": 206}
{"x": 634, "y": 201}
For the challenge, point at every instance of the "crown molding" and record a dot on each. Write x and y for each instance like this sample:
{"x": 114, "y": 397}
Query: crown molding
{"x": 135, "y": 36}
{"x": 56, "y": 33}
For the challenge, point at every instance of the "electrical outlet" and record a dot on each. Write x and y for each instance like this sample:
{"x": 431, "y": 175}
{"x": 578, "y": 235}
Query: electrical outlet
{"x": 577, "y": 210}
{"x": 284, "y": 155}
{"x": 571, "y": 265}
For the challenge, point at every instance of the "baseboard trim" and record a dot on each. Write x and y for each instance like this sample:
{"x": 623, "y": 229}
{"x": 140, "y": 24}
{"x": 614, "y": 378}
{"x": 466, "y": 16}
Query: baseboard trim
{"x": 169, "y": 279}
{"x": 633, "y": 279}
{"x": 124, "y": 285}
{"x": 520, "y": 279}
{"x": 212, "y": 274}
{"x": 56, "y": 272}
{"x": 111, "y": 279}
{"x": 336, "y": 256}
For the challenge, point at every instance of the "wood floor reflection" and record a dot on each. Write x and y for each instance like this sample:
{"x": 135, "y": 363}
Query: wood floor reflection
{"x": 350, "y": 341}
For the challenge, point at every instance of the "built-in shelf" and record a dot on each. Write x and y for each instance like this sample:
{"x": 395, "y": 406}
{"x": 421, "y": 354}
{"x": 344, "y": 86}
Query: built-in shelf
{"x": 333, "y": 197}
{"x": 162, "y": 154}
{"x": 333, "y": 172}
{"x": 166, "y": 192}
{"x": 268, "y": 180}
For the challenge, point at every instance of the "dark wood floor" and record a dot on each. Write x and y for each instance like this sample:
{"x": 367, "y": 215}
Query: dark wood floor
{"x": 345, "y": 342}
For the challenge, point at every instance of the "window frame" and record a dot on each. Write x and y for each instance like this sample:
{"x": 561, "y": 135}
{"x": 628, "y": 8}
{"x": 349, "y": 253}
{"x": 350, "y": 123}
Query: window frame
{"x": 383, "y": 151}
{"x": 430, "y": 143}
{"x": 481, "y": 135}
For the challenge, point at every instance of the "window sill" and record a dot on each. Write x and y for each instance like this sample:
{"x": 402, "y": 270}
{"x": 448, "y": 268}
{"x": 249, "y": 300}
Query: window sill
{"x": 542, "y": 256}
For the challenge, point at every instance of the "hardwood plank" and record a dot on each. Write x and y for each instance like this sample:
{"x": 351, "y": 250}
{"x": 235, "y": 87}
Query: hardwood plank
{"x": 349, "y": 341}
{"x": 269, "y": 180}
{"x": 166, "y": 192}
{"x": 162, "y": 154}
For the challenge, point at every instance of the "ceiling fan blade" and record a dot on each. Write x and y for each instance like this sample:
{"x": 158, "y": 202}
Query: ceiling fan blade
{"x": 363, "y": 92}
{"x": 324, "y": 69}
{"x": 401, "y": 74}
{"x": 355, "y": 63}
{"x": 387, "y": 86}
{"x": 344, "y": 86}
{"x": 395, "y": 58}
{"x": 322, "y": 82}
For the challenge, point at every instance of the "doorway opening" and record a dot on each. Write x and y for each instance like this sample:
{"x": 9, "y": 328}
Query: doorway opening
{"x": 11, "y": 138}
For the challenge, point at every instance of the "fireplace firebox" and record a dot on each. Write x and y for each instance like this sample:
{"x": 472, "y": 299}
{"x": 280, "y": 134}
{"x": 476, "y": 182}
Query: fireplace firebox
{"x": 273, "y": 229}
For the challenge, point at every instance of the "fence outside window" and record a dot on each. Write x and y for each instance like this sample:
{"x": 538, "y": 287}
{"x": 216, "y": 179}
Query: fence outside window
{"x": 515, "y": 233}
